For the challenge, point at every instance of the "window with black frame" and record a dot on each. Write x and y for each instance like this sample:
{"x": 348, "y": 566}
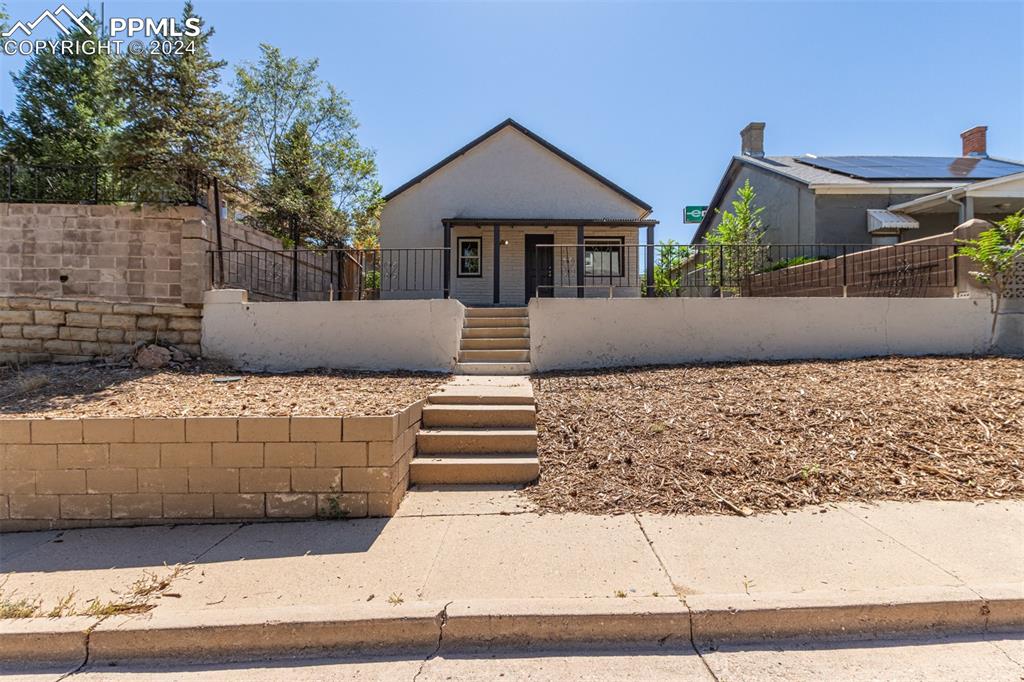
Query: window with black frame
{"x": 603, "y": 256}
{"x": 470, "y": 260}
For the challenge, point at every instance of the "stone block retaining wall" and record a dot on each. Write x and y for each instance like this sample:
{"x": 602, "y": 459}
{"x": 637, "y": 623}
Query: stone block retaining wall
{"x": 64, "y": 330}
{"x": 66, "y": 473}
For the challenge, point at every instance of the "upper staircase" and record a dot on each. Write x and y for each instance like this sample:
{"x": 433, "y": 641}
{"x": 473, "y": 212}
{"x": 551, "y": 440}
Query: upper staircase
{"x": 495, "y": 341}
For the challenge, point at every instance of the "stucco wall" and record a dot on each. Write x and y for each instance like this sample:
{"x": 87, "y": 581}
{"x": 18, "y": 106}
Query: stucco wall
{"x": 788, "y": 206}
{"x": 573, "y": 334}
{"x": 373, "y": 335}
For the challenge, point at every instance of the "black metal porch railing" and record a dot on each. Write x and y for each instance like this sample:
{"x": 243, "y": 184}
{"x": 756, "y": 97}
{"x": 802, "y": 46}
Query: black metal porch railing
{"x": 331, "y": 274}
{"x": 29, "y": 183}
{"x": 601, "y": 269}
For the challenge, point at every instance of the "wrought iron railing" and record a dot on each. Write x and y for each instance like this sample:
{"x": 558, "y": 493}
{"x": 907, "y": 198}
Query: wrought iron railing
{"x": 103, "y": 184}
{"x": 331, "y": 274}
{"x": 602, "y": 269}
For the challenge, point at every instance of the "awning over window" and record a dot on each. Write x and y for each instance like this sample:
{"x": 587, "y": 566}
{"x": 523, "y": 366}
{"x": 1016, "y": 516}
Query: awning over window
{"x": 880, "y": 220}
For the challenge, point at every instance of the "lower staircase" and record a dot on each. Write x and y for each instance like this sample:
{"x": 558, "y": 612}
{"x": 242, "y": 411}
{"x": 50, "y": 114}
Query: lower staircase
{"x": 495, "y": 341}
{"x": 478, "y": 430}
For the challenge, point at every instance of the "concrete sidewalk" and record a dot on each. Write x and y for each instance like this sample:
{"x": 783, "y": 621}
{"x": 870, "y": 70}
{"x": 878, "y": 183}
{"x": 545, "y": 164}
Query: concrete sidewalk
{"x": 452, "y": 556}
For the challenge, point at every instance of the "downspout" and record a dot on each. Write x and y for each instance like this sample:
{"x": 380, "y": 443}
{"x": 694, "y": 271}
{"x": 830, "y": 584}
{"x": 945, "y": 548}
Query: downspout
{"x": 961, "y": 211}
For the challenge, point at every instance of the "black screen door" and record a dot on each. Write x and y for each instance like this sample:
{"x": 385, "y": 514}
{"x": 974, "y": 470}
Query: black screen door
{"x": 540, "y": 266}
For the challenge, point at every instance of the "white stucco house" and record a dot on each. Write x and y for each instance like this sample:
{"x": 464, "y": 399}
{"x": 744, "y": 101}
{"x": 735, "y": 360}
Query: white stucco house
{"x": 510, "y": 216}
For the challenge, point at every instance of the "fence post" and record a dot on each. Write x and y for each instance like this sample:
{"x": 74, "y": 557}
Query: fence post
{"x": 295, "y": 259}
{"x": 580, "y": 258}
{"x": 447, "y": 259}
{"x": 844, "y": 271}
{"x": 220, "y": 236}
{"x": 10, "y": 181}
{"x": 956, "y": 272}
{"x": 96, "y": 186}
{"x": 649, "y": 257}
{"x": 721, "y": 270}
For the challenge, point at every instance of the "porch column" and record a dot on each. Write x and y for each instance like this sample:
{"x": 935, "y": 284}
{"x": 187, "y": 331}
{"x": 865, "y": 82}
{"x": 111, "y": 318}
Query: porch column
{"x": 497, "y": 264}
{"x": 579, "y": 261}
{"x": 650, "y": 260}
{"x": 447, "y": 257}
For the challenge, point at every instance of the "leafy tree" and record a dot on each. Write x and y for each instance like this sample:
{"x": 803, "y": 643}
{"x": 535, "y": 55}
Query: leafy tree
{"x": 736, "y": 243}
{"x": 67, "y": 112}
{"x": 278, "y": 92}
{"x": 297, "y": 199}
{"x": 180, "y": 125}
{"x": 997, "y": 252}
{"x": 669, "y": 269}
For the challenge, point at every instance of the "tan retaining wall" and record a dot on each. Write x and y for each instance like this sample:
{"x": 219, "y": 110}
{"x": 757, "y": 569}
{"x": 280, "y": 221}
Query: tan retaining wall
{"x": 64, "y": 473}
{"x": 155, "y": 255}
{"x": 63, "y": 330}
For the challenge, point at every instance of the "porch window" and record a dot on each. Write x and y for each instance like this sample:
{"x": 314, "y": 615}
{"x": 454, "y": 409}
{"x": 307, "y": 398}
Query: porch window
{"x": 603, "y": 256}
{"x": 470, "y": 250}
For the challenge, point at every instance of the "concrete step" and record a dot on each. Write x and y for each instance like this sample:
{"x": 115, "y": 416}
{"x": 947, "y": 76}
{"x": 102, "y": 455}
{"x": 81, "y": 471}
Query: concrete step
{"x": 498, "y": 368}
{"x": 496, "y": 312}
{"x": 494, "y": 355}
{"x": 480, "y": 469}
{"x": 481, "y": 395}
{"x": 476, "y": 416}
{"x": 522, "y": 343}
{"x": 492, "y": 321}
{"x": 495, "y": 332}
{"x": 476, "y": 441}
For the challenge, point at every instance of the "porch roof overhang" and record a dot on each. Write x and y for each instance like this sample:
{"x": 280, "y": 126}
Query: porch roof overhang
{"x": 548, "y": 222}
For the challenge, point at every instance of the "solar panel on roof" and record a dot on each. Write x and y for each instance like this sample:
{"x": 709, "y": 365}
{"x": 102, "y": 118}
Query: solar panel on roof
{"x": 914, "y": 167}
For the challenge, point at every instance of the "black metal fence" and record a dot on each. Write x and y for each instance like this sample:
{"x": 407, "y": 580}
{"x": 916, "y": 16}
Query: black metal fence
{"x": 898, "y": 270}
{"x": 331, "y": 274}
{"x": 27, "y": 183}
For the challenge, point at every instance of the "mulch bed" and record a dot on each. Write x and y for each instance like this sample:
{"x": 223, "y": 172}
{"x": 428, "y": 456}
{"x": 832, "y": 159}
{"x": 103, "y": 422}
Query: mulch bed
{"x": 198, "y": 390}
{"x": 747, "y": 438}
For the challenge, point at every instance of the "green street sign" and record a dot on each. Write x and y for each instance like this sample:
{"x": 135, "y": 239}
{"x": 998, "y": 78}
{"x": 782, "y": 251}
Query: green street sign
{"x": 694, "y": 214}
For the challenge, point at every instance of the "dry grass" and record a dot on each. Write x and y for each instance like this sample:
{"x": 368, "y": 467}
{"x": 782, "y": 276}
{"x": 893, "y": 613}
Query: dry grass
{"x": 138, "y": 598}
{"x": 96, "y": 390}
{"x": 769, "y": 436}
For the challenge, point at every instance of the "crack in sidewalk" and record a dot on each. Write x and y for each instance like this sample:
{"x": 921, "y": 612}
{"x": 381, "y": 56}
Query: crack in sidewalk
{"x": 441, "y": 619}
{"x": 680, "y": 597}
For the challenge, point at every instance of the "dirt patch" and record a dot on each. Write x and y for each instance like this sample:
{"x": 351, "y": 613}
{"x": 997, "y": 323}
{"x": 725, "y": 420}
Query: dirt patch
{"x": 770, "y": 436}
{"x": 201, "y": 390}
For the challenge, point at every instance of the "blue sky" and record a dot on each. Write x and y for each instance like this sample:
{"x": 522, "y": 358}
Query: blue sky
{"x": 652, "y": 95}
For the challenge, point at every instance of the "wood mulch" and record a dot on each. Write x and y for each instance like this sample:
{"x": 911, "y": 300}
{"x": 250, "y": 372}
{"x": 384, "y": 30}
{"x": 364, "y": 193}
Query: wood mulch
{"x": 202, "y": 390}
{"x": 747, "y": 438}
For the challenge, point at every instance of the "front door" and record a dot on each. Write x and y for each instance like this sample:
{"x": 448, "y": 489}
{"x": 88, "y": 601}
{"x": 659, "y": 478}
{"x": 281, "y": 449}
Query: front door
{"x": 540, "y": 266}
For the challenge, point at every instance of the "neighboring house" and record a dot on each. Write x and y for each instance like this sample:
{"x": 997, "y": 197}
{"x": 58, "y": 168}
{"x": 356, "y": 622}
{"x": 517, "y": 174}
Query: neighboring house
{"x": 867, "y": 199}
{"x": 521, "y": 217}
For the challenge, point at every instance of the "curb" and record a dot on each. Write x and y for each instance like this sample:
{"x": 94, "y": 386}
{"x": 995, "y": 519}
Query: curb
{"x": 426, "y": 627}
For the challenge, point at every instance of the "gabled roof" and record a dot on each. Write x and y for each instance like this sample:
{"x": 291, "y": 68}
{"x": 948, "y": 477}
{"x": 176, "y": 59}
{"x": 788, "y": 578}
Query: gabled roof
{"x": 536, "y": 138}
{"x": 793, "y": 169}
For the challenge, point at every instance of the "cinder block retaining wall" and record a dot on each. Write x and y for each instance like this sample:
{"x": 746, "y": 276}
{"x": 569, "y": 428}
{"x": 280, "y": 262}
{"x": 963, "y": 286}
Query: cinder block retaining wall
{"x": 65, "y": 473}
{"x": 64, "y": 330}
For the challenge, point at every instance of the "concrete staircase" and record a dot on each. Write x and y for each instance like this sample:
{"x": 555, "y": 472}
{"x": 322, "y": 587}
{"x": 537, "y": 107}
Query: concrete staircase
{"x": 478, "y": 430}
{"x": 495, "y": 341}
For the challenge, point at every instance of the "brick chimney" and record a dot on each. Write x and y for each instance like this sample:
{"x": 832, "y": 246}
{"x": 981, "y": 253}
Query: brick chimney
{"x": 752, "y": 139}
{"x": 974, "y": 142}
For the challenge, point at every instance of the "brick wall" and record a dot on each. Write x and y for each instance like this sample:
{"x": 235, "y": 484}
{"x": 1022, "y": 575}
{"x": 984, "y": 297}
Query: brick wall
{"x": 114, "y": 253}
{"x": 64, "y": 473}
{"x": 63, "y": 330}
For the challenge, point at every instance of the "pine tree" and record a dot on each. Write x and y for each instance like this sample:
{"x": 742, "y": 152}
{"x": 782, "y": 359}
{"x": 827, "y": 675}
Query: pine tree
{"x": 297, "y": 197}
{"x": 181, "y": 127}
{"x": 66, "y": 115}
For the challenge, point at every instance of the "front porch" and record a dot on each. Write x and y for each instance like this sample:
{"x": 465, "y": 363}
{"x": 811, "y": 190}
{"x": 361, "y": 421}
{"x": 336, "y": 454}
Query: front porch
{"x": 508, "y": 261}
